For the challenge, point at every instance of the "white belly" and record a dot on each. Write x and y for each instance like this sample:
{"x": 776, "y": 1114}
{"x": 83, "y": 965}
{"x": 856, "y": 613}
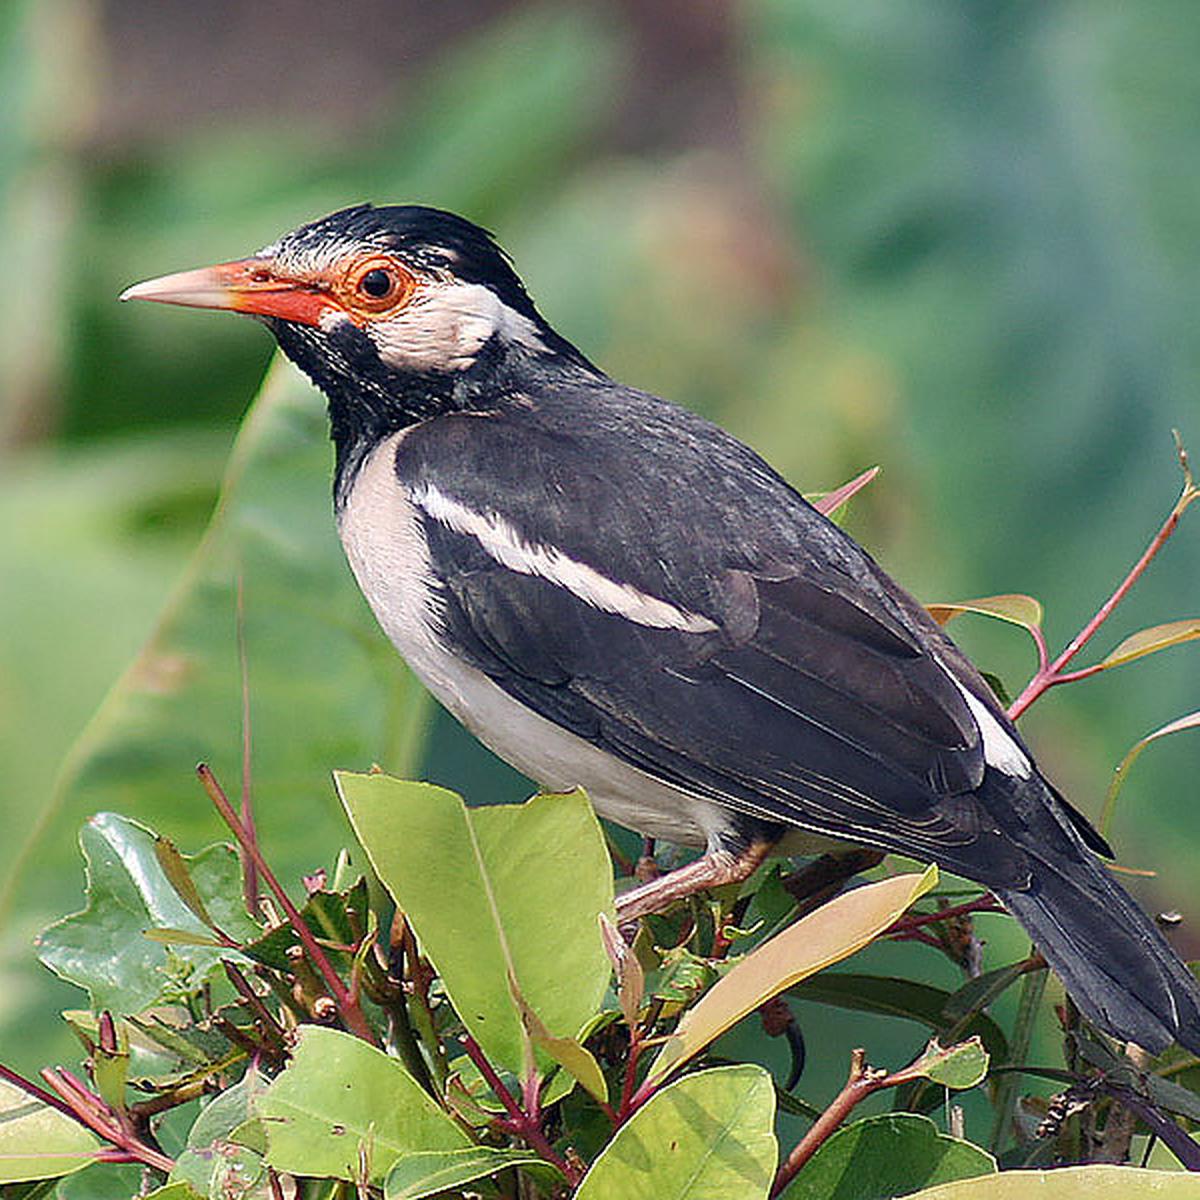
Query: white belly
{"x": 384, "y": 543}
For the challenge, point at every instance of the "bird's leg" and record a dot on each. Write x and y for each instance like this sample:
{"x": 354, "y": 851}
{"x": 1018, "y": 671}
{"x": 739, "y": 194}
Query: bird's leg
{"x": 714, "y": 869}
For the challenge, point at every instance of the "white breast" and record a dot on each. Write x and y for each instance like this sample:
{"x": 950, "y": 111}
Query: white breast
{"x": 381, "y": 532}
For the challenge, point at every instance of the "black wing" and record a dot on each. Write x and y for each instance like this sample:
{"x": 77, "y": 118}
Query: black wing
{"x": 821, "y": 697}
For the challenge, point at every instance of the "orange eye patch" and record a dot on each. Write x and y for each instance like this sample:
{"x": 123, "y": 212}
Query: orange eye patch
{"x": 374, "y": 285}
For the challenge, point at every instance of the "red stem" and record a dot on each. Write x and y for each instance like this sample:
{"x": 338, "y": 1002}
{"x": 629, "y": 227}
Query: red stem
{"x": 626, "y": 1108}
{"x": 862, "y": 1082}
{"x": 986, "y": 903}
{"x": 91, "y": 1111}
{"x": 350, "y": 1010}
{"x": 38, "y": 1093}
{"x": 249, "y": 869}
{"x": 519, "y": 1121}
{"x": 1050, "y": 675}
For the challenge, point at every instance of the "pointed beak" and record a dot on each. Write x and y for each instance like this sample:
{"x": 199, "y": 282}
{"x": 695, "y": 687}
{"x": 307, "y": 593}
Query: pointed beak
{"x": 250, "y": 285}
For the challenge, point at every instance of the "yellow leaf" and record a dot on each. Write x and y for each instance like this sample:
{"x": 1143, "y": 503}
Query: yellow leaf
{"x": 1191, "y": 721}
{"x": 1016, "y": 608}
{"x": 1147, "y": 641}
{"x": 1068, "y": 1183}
{"x": 834, "y": 932}
{"x": 570, "y": 1054}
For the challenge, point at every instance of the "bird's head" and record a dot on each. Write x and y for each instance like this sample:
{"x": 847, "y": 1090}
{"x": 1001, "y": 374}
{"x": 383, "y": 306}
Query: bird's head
{"x": 396, "y": 313}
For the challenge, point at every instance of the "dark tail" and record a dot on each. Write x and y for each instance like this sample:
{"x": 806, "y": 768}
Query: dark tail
{"x": 1112, "y": 958}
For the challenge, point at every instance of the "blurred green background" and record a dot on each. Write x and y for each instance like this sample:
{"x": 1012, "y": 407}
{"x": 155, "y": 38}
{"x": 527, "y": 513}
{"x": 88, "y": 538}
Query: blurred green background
{"x": 958, "y": 240}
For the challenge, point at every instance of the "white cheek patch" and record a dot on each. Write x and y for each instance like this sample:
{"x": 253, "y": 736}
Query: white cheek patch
{"x": 507, "y": 546}
{"x": 445, "y": 325}
{"x": 999, "y": 749}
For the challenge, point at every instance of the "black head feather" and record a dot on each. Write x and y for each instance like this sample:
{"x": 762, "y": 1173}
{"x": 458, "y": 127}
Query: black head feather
{"x": 429, "y": 238}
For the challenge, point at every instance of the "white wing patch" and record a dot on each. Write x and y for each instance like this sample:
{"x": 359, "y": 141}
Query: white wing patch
{"x": 506, "y": 546}
{"x": 999, "y": 749}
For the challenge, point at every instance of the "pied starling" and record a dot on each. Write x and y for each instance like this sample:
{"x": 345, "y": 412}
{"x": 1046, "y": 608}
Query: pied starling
{"x": 613, "y": 593}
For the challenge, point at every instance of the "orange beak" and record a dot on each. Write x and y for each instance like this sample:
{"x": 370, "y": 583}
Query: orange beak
{"x": 249, "y": 285}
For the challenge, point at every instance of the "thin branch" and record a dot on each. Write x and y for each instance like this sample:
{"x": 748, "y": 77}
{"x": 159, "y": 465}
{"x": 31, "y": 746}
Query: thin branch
{"x": 249, "y": 870}
{"x": 84, "y": 1106}
{"x": 862, "y": 1081}
{"x": 348, "y": 1007}
{"x": 1050, "y": 675}
{"x": 986, "y": 903}
{"x": 519, "y": 1121}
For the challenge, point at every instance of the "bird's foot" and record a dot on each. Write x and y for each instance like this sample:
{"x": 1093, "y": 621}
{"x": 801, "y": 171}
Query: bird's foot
{"x": 711, "y": 870}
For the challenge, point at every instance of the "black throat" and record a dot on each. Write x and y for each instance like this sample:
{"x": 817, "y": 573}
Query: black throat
{"x": 369, "y": 400}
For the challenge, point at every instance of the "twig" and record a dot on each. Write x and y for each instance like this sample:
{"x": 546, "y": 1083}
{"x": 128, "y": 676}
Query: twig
{"x": 1050, "y": 675}
{"x": 519, "y": 1121}
{"x": 249, "y": 869}
{"x": 77, "y": 1101}
{"x": 863, "y": 1081}
{"x": 986, "y": 903}
{"x": 348, "y": 1007}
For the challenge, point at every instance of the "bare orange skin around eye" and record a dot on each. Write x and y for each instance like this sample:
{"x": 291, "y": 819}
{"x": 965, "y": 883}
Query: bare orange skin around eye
{"x": 359, "y": 304}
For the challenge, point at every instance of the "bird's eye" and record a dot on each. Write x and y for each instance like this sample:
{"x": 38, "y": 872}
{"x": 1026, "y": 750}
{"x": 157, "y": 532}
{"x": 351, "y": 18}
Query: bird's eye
{"x": 373, "y": 286}
{"x": 377, "y": 283}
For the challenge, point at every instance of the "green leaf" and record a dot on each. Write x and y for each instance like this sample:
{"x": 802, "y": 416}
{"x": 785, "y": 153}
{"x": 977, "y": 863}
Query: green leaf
{"x": 175, "y": 869}
{"x": 102, "y": 948}
{"x": 1179, "y": 725}
{"x": 340, "y": 1097}
{"x": 957, "y": 1067}
{"x": 1070, "y": 1183}
{"x": 1150, "y": 641}
{"x": 708, "y": 1136}
{"x": 327, "y": 915}
{"x": 415, "y": 1176}
{"x": 881, "y": 1157}
{"x": 226, "y": 1111}
{"x": 570, "y": 1054}
{"x": 325, "y": 685}
{"x": 222, "y": 1171}
{"x": 940, "y": 1010}
{"x": 37, "y": 1141}
{"x": 479, "y": 886}
{"x": 1017, "y": 609}
{"x": 834, "y": 932}
{"x": 176, "y": 1191}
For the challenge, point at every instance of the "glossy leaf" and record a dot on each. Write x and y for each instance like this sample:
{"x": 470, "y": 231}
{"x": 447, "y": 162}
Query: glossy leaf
{"x": 1149, "y": 641}
{"x": 1016, "y": 608}
{"x": 834, "y": 932}
{"x": 102, "y": 948}
{"x": 570, "y": 1053}
{"x": 940, "y": 1010}
{"x": 493, "y": 893}
{"x": 418, "y": 1175}
{"x": 881, "y": 1157}
{"x": 1070, "y": 1183}
{"x": 708, "y": 1136}
{"x": 340, "y": 1097}
{"x": 227, "y": 1111}
{"x": 37, "y": 1141}
{"x": 309, "y": 634}
{"x": 956, "y": 1067}
{"x": 1179, "y": 725}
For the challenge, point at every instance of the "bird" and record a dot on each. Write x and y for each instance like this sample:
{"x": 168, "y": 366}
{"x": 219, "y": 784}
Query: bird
{"x": 613, "y": 593}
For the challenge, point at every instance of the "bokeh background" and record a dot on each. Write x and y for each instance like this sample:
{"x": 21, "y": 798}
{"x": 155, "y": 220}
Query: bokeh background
{"x": 958, "y": 240}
